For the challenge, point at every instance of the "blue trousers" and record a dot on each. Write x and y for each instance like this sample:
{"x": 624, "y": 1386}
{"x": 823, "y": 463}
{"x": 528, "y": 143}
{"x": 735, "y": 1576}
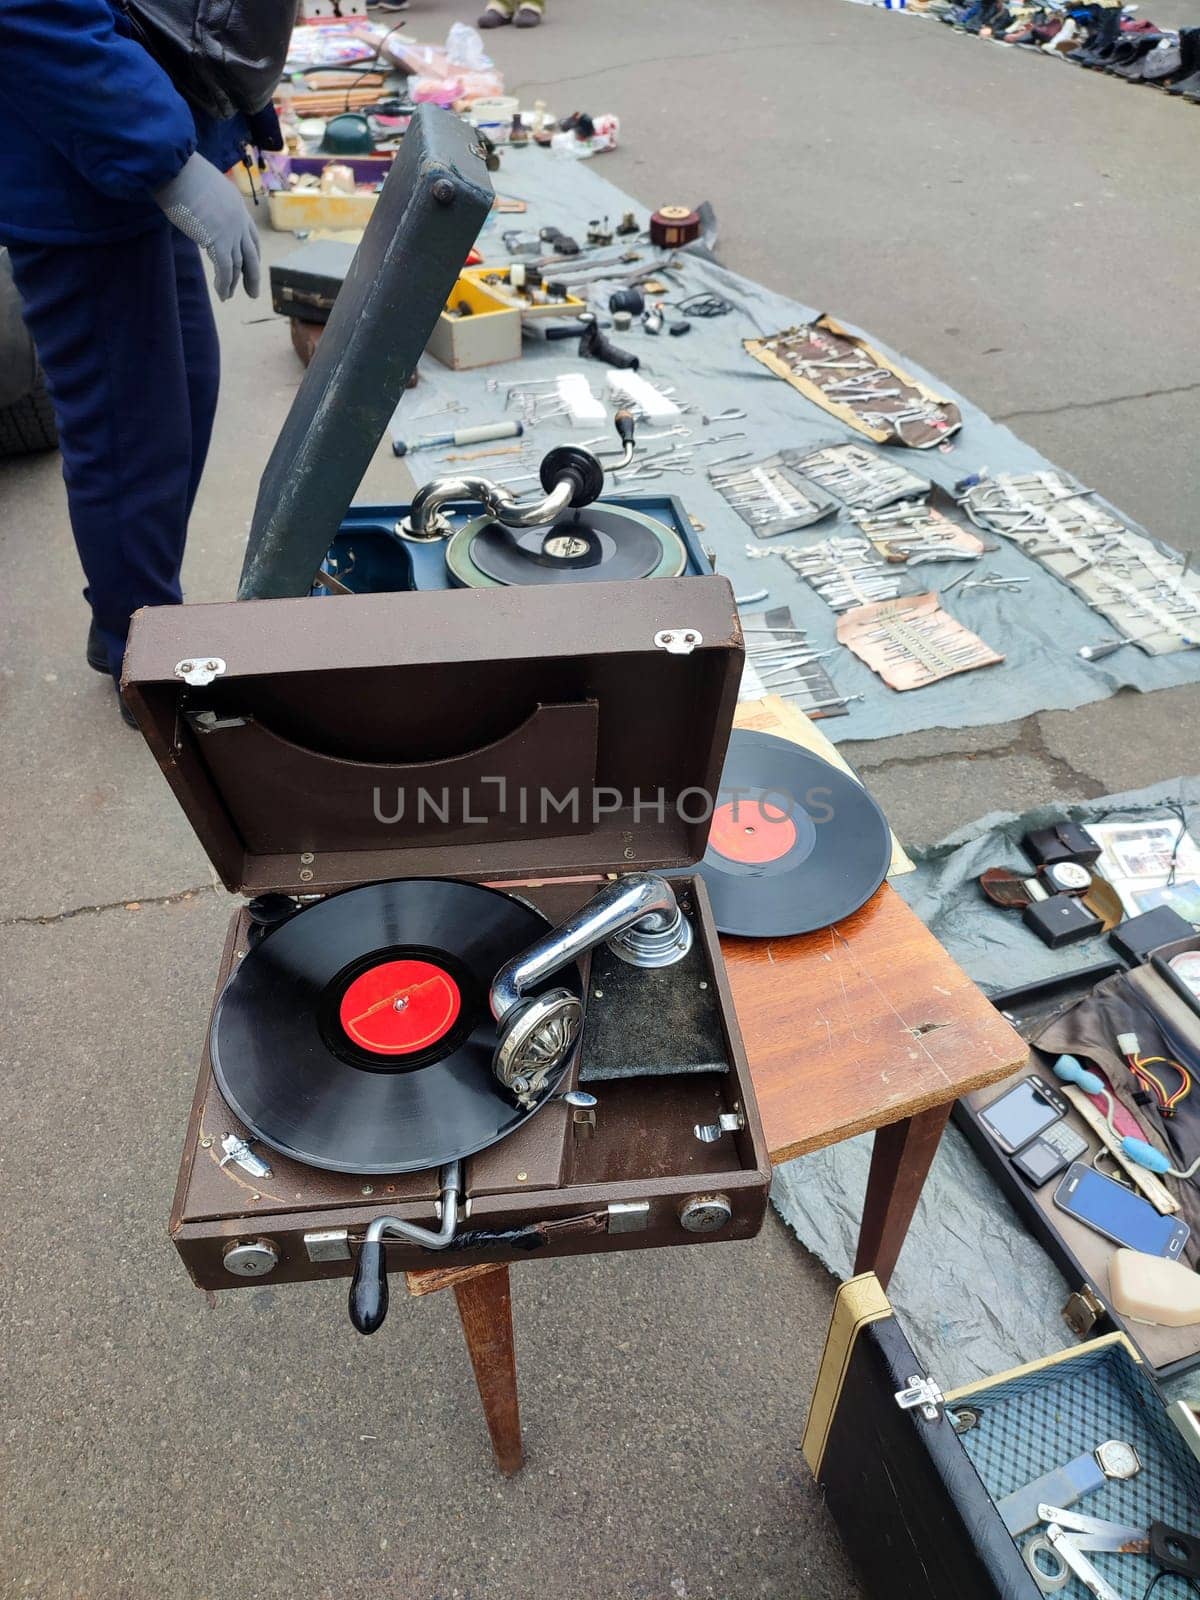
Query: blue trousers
{"x": 126, "y": 336}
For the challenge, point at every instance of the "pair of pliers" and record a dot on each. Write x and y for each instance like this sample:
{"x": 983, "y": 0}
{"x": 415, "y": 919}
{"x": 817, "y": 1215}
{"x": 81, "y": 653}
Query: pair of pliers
{"x": 1066, "y": 1536}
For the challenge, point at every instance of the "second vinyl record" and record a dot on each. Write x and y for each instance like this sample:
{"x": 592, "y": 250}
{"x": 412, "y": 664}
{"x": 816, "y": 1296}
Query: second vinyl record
{"x": 795, "y": 844}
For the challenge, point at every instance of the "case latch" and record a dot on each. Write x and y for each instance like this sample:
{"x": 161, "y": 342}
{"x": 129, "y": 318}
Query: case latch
{"x": 328, "y": 1244}
{"x": 728, "y": 1122}
{"x": 1083, "y": 1311}
{"x": 199, "y": 670}
{"x": 678, "y": 641}
{"x": 628, "y": 1216}
{"x": 922, "y": 1395}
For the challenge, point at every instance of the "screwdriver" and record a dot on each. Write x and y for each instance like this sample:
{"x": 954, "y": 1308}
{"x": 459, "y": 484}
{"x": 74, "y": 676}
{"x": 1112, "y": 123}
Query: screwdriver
{"x": 480, "y": 435}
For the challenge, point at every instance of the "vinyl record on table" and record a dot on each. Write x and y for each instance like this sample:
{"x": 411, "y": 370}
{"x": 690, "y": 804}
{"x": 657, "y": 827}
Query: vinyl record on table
{"x": 356, "y": 1037}
{"x": 795, "y": 844}
{"x": 598, "y": 544}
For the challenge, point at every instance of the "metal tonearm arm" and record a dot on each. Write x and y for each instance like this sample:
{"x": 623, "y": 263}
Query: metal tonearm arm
{"x": 634, "y": 900}
{"x": 571, "y": 476}
{"x": 425, "y": 523}
{"x": 642, "y": 922}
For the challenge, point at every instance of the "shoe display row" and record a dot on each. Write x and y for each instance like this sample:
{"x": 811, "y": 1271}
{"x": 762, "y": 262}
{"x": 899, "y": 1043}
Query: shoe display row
{"x": 1103, "y": 38}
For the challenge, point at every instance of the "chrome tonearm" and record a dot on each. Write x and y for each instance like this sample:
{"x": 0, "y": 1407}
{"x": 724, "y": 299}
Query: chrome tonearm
{"x": 571, "y": 477}
{"x": 642, "y": 922}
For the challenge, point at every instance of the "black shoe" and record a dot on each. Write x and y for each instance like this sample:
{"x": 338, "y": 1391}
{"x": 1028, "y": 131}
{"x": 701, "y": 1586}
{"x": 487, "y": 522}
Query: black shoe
{"x": 127, "y": 716}
{"x": 1189, "y": 60}
{"x": 1131, "y": 68}
{"x": 1122, "y": 53}
{"x": 97, "y": 655}
{"x": 1161, "y": 64}
{"x": 1108, "y": 36}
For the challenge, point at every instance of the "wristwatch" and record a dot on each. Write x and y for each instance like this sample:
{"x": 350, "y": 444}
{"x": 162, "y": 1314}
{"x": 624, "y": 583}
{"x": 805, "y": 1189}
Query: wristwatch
{"x": 1116, "y": 1459}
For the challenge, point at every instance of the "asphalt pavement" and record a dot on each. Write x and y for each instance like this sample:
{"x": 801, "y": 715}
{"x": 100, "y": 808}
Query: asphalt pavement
{"x": 1020, "y": 228}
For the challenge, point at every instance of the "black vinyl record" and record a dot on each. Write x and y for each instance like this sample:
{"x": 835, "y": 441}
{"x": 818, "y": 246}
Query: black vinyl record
{"x": 595, "y": 544}
{"x": 357, "y": 1037}
{"x": 795, "y": 844}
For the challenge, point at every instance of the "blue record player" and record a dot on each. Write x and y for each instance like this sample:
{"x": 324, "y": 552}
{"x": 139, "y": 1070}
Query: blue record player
{"x": 635, "y": 536}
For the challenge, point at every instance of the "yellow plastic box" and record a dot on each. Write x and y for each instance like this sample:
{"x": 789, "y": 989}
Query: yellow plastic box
{"x": 490, "y": 334}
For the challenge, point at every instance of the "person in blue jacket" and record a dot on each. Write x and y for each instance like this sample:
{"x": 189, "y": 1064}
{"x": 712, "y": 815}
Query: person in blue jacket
{"x": 110, "y": 186}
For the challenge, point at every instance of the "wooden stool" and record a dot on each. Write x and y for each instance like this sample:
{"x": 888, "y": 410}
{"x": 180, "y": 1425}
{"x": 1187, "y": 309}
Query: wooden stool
{"x": 485, "y": 1311}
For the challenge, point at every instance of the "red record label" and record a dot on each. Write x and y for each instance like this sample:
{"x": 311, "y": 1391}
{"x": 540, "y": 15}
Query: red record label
{"x": 751, "y": 832}
{"x": 399, "y": 1007}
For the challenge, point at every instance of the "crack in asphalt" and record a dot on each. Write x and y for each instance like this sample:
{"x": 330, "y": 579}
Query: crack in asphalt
{"x": 1030, "y": 740}
{"x": 48, "y": 919}
{"x": 1091, "y": 405}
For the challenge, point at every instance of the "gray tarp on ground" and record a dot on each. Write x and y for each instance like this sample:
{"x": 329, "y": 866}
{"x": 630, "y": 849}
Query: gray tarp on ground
{"x": 995, "y": 947}
{"x": 1039, "y": 630}
{"x": 976, "y": 1292}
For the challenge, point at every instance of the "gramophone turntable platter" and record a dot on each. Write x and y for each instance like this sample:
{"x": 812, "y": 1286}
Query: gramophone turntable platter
{"x": 357, "y": 1037}
{"x": 596, "y": 544}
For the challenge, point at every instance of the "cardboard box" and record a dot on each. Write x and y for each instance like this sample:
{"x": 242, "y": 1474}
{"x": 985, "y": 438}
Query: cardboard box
{"x": 491, "y": 333}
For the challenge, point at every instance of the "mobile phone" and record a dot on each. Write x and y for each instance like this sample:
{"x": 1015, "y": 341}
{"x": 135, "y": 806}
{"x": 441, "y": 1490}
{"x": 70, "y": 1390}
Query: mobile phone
{"x": 1049, "y": 1154}
{"x": 1019, "y": 1115}
{"x": 1118, "y": 1214}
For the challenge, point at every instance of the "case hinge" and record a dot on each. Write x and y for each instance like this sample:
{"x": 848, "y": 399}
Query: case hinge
{"x": 678, "y": 641}
{"x": 1083, "y": 1311}
{"x": 922, "y": 1395}
{"x": 199, "y": 670}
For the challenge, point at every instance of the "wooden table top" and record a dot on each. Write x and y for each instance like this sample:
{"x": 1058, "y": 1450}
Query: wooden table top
{"x": 860, "y": 1025}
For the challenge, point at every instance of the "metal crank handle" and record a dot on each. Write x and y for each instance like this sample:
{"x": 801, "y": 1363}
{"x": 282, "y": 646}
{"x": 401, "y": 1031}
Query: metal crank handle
{"x": 369, "y": 1286}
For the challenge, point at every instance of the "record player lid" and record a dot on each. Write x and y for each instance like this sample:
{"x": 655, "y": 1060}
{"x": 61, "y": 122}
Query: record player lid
{"x": 484, "y": 734}
{"x": 433, "y": 203}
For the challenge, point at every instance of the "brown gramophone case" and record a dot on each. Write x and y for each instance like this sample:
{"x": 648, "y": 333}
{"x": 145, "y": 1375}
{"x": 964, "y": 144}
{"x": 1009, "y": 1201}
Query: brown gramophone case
{"x": 313, "y": 710}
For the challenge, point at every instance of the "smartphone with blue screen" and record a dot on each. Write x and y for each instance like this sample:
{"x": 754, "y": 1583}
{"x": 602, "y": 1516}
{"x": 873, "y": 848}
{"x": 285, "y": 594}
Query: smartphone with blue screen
{"x": 1118, "y": 1213}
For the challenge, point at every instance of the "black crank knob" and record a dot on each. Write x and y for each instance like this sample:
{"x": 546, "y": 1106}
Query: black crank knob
{"x": 369, "y": 1289}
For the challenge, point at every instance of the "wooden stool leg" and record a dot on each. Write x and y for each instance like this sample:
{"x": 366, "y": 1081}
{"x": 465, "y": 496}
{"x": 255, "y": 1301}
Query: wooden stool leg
{"x": 485, "y": 1309}
{"x": 900, "y": 1162}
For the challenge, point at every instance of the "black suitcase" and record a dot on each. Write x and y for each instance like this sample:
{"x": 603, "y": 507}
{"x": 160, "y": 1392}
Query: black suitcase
{"x": 912, "y": 1476}
{"x": 305, "y": 284}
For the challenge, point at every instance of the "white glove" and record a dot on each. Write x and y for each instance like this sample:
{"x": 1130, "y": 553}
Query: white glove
{"x": 203, "y": 204}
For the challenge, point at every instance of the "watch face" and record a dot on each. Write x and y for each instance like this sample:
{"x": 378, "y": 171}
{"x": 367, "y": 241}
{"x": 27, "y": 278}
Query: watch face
{"x": 1118, "y": 1459}
{"x": 1069, "y": 876}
